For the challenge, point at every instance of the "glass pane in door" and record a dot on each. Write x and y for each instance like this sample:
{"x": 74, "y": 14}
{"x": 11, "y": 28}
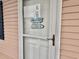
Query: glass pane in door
{"x": 36, "y": 17}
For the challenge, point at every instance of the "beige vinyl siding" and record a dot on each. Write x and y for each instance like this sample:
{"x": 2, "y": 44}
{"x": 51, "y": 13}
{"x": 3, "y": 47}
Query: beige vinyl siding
{"x": 9, "y": 46}
{"x": 70, "y": 30}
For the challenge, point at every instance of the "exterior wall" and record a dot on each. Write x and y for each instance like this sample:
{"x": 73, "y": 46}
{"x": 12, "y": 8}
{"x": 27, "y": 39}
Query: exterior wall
{"x": 8, "y": 46}
{"x": 70, "y": 30}
{"x": 69, "y": 37}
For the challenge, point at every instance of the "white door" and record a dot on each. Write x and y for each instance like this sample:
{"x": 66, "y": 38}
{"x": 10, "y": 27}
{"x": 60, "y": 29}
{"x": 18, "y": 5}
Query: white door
{"x": 38, "y": 29}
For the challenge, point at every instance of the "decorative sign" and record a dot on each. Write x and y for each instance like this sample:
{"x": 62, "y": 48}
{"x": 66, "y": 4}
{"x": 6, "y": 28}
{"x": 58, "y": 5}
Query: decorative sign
{"x": 36, "y": 20}
{"x": 36, "y": 23}
{"x": 32, "y": 11}
{"x": 37, "y": 26}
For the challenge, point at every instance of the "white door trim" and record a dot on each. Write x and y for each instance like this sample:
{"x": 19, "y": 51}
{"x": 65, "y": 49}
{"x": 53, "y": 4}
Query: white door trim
{"x": 58, "y": 28}
{"x": 57, "y": 33}
{"x": 20, "y": 28}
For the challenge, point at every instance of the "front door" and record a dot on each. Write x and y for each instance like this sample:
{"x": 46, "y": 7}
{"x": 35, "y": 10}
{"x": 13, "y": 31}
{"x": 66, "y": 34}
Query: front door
{"x": 38, "y": 29}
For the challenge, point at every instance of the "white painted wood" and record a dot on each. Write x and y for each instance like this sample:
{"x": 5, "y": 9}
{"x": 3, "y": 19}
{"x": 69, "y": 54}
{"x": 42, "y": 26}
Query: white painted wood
{"x": 34, "y": 36}
{"x": 58, "y": 28}
{"x": 52, "y": 24}
{"x": 36, "y": 48}
{"x": 51, "y": 53}
{"x": 20, "y": 28}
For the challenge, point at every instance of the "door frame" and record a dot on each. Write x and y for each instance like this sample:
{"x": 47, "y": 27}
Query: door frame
{"x": 58, "y": 4}
{"x": 58, "y": 28}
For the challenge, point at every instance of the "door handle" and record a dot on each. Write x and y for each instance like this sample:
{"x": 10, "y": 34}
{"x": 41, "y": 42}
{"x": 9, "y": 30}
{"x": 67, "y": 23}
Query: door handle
{"x": 53, "y": 40}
